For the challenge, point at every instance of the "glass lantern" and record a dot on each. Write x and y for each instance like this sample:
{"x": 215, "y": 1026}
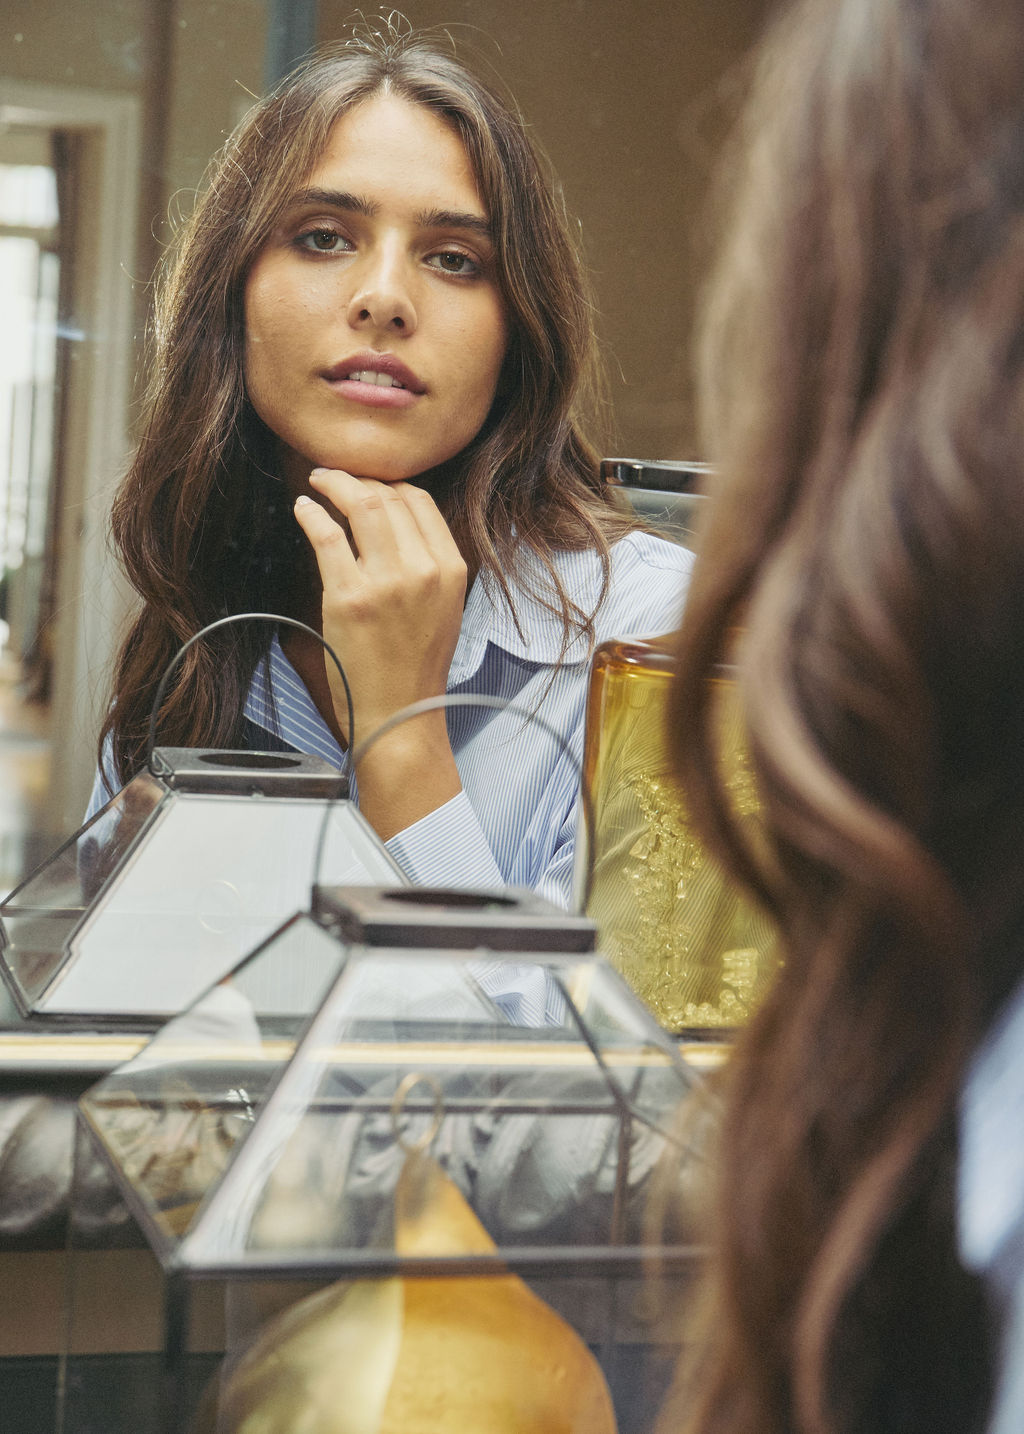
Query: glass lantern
{"x": 424, "y": 1192}
{"x": 174, "y": 880}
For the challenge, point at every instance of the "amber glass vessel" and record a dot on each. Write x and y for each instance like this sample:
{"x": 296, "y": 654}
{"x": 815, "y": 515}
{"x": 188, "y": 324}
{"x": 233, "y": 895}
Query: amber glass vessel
{"x": 698, "y": 952}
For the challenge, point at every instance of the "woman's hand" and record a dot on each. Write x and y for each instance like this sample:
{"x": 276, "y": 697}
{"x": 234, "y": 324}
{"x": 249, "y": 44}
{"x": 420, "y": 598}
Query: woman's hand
{"x": 394, "y": 587}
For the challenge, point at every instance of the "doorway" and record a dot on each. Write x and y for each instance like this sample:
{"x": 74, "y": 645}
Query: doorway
{"x": 68, "y": 196}
{"x": 36, "y": 223}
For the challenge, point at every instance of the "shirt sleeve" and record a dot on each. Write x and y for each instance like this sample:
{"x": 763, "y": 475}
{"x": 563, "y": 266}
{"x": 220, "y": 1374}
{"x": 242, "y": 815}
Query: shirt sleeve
{"x": 990, "y": 1210}
{"x": 448, "y": 847}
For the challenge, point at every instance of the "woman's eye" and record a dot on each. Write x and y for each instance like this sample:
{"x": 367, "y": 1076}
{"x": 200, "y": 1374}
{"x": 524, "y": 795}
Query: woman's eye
{"x": 322, "y": 241}
{"x": 453, "y": 261}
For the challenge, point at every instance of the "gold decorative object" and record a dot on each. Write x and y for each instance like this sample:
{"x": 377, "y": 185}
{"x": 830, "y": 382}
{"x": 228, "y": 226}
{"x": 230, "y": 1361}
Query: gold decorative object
{"x": 420, "y": 1355}
{"x": 698, "y": 952}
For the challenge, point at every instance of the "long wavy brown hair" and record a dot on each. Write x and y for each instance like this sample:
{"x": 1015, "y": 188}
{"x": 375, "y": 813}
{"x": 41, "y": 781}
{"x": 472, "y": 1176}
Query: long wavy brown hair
{"x": 202, "y": 522}
{"x": 863, "y": 397}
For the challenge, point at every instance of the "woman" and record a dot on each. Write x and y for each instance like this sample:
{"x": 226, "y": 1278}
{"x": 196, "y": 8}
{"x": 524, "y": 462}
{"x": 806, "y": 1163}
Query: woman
{"x": 864, "y": 398}
{"x": 373, "y": 349}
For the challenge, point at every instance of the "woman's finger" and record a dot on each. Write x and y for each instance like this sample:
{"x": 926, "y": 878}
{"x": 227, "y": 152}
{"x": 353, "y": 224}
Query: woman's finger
{"x": 410, "y": 547}
{"x": 389, "y": 533}
{"x": 429, "y": 522}
{"x": 368, "y": 509}
{"x": 327, "y": 538}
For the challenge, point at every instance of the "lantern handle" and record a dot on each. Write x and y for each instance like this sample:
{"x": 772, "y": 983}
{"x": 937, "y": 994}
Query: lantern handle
{"x": 473, "y": 699}
{"x": 225, "y": 622}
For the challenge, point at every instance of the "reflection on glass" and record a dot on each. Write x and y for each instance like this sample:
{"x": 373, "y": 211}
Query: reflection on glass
{"x": 29, "y": 299}
{"x": 432, "y": 1354}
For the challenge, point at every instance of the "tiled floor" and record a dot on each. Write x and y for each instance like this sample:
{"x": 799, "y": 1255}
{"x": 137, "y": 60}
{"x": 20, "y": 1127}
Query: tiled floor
{"x": 24, "y": 776}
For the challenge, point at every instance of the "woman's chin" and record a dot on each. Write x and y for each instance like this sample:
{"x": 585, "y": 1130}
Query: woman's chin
{"x": 380, "y": 472}
{"x": 382, "y": 468}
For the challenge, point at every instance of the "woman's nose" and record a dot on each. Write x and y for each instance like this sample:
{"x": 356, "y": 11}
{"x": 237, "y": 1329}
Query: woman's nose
{"x": 381, "y": 299}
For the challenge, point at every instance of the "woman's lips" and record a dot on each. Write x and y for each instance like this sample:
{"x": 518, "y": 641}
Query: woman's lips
{"x": 373, "y": 395}
{"x": 377, "y": 380}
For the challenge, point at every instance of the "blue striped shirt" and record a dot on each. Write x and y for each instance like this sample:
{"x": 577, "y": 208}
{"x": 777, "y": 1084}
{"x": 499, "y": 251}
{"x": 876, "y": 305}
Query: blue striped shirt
{"x": 514, "y": 822}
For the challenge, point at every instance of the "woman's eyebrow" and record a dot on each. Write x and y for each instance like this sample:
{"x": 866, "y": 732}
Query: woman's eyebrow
{"x": 454, "y": 219}
{"x": 426, "y": 219}
{"x": 337, "y": 199}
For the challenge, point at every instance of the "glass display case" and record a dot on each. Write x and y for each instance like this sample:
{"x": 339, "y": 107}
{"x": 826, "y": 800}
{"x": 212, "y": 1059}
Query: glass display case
{"x": 450, "y": 1185}
{"x": 175, "y": 879}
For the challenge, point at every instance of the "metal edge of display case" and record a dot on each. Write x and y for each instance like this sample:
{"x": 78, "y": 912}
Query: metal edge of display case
{"x": 89, "y": 1055}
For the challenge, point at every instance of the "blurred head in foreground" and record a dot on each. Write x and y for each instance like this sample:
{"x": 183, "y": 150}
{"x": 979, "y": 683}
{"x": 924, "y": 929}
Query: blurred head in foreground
{"x": 863, "y": 563}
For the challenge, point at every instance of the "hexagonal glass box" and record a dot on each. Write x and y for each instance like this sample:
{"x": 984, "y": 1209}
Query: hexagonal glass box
{"x": 176, "y": 879}
{"x": 422, "y": 1162}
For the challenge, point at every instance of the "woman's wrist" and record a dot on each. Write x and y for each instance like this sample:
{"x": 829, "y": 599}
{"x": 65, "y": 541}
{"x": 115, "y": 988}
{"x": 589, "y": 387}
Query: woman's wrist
{"x": 407, "y": 773}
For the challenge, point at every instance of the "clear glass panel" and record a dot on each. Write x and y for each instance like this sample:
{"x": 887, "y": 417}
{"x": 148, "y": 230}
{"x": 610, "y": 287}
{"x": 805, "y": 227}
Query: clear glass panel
{"x": 549, "y": 1115}
{"x": 39, "y": 918}
{"x": 491, "y": 1353}
{"x": 215, "y": 876}
{"x": 676, "y": 515}
{"x": 170, "y": 1119}
{"x": 639, "y": 1060}
{"x": 115, "y": 1356}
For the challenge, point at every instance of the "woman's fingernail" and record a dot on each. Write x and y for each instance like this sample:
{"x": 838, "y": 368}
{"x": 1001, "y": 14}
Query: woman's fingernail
{"x": 302, "y": 499}
{"x": 319, "y": 474}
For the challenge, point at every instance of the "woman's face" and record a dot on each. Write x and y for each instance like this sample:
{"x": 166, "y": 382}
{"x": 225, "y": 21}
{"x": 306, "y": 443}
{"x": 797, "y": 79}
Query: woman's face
{"x": 375, "y": 329}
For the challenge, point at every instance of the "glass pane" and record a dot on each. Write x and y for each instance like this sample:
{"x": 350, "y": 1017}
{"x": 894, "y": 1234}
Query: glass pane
{"x": 170, "y": 1119}
{"x": 39, "y": 917}
{"x": 521, "y": 1112}
{"x": 550, "y": 1132}
{"x": 28, "y": 196}
{"x": 444, "y": 1145}
{"x": 216, "y": 877}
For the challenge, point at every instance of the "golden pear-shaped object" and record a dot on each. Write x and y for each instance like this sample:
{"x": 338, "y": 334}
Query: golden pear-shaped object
{"x": 451, "y": 1355}
{"x": 480, "y": 1353}
{"x": 324, "y": 1366}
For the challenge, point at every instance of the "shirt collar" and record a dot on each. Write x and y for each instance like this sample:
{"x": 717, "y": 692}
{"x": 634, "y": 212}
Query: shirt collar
{"x": 488, "y": 619}
{"x": 539, "y": 636}
{"x": 278, "y": 702}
